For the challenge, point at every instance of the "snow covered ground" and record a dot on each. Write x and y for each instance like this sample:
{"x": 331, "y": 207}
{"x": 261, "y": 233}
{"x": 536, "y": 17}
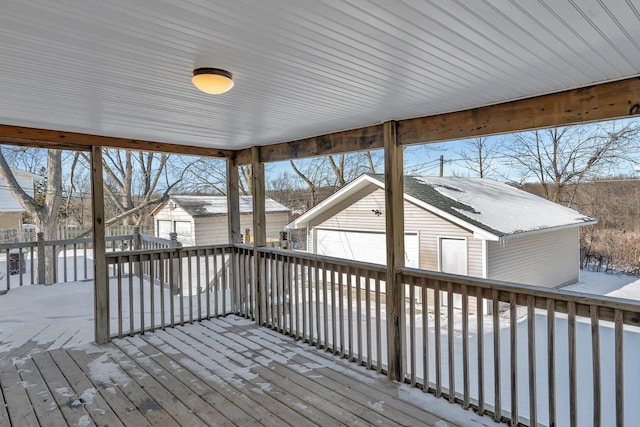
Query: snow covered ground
{"x": 613, "y": 285}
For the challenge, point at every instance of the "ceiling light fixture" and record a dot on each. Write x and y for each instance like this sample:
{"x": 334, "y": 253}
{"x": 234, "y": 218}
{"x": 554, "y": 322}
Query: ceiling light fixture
{"x": 212, "y": 80}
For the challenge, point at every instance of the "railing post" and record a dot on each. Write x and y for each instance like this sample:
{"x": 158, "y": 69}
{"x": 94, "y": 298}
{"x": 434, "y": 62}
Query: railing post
{"x": 100, "y": 275}
{"x": 259, "y": 231}
{"x": 41, "y": 258}
{"x": 394, "y": 216}
{"x": 233, "y": 216}
{"x": 175, "y": 276}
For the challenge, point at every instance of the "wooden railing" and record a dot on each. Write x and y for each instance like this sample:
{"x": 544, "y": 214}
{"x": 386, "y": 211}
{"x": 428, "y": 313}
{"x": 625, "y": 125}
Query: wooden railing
{"x": 332, "y": 303}
{"x": 25, "y": 263}
{"x": 179, "y": 285}
{"x": 521, "y": 354}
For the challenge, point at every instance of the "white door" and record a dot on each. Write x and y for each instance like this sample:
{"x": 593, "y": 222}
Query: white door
{"x": 363, "y": 246}
{"x": 183, "y": 231}
{"x": 163, "y": 229}
{"x": 453, "y": 260}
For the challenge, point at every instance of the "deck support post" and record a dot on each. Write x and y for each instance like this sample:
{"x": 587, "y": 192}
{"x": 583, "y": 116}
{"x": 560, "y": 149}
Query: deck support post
{"x": 259, "y": 231}
{"x": 394, "y": 216}
{"x": 233, "y": 216}
{"x": 100, "y": 276}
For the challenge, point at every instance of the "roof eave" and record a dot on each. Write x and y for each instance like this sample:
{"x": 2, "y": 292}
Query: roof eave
{"x": 518, "y": 235}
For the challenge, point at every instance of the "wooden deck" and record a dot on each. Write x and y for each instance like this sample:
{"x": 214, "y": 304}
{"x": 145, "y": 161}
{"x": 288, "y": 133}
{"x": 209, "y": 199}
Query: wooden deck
{"x": 218, "y": 372}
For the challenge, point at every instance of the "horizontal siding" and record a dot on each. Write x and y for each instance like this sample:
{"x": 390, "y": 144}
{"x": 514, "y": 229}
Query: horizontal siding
{"x": 360, "y": 216}
{"x": 215, "y": 230}
{"x": 547, "y": 259}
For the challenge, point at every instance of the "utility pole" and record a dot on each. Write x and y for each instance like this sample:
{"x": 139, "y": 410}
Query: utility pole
{"x": 441, "y": 164}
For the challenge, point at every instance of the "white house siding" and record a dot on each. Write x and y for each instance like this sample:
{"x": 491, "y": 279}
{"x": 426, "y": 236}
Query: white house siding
{"x": 215, "y": 230}
{"x": 554, "y": 252}
{"x": 360, "y": 216}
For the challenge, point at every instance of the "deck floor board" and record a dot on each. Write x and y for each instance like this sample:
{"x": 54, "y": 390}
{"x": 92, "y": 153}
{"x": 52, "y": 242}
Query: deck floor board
{"x": 222, "y": 372}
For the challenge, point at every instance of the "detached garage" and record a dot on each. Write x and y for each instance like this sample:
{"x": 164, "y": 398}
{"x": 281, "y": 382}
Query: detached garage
{"x": 202, "y": 220}
{"x": 467, "y": 226}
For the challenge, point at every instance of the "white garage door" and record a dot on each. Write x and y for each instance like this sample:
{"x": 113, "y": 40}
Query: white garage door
{"x": 363, "y": 246}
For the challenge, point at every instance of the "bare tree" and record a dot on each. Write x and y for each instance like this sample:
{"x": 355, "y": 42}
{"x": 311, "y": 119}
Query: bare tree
{"x": 560, "y": 156}
{"x": 478, "y": 156}
{"x": 45, "y": 214}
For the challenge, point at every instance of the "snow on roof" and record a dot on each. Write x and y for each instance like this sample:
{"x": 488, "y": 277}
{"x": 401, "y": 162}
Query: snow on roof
{"x": 494, "y": 206}
{"x": 203, "y": 206}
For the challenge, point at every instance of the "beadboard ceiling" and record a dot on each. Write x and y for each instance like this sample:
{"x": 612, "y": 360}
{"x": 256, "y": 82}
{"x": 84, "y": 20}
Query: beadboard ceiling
{"x": 123, "y": 68}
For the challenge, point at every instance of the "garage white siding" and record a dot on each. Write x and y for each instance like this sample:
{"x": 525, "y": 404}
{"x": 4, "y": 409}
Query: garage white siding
{"x": 360, "y": 216}
{"x": 548, "y": 259}
{"x": 215, "y": 230}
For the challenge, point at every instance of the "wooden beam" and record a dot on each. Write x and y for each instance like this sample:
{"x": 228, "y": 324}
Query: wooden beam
{"x": 367, "y": 138}
{"x": 233, "y": 202}
{"x": 394, "y": 215}
{"x": 593, "y": 103}
{"x": 259, "y": 231}
{"x": 100, "y": 277}
{"x": 43, "y": 138}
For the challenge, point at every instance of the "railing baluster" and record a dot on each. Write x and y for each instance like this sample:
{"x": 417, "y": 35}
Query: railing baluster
{"x": 296, "y": 293}
{"x": 437, "y": 336}
{"x": 367, "y": 290}
{"x": 573, "y": 389}
{"x": 551, "y": 361}
{"x": 190, "y": 284}
{"x": 497, "y": 410}
{"x": 341, "y": 308}
{"x": 318, "y": 322}
{"x": 358, "y": 290}
{"x": 181, "y": 287}
{"x": 289, "y": 292}
{"x": 54, "y": 261}
{"x": 75, "y": 262}
{"x": 531, "y": 335}
{"x": 161, "y": 288}
{"x": 8, "y": 270}
{"x": 64, "y": 261}
{"x": 303, "y": 301}
{"x": 131, "y": 316}
{"x": 207, "y": 279}
{"x": 141, "y": 299}
{"x": 172, "y": 288}
{"x": 31, "y": 264}
{"x": 450, "y": 344}
{"x": 595, "y": 358}
{"x": 199, "y": 285}
{"x": 465, "y": 348}
{"x": 619, "y": 366}
{"x": 378, "y": 324}
{"x": 480, "y": 336}
{"x": 425, "y": 336}
{"x": 119, "y": 269}
{"x": 311, "y": 318}
{"x": 325, "y": 305}
{"x": 412, "y": 333}
{"x": 152, "y": 300}
{"x": 84, "y": 259}
{"x": 334, "y": 318}
{"x": 513, "y": 352}
{"x": 350, "y": 313}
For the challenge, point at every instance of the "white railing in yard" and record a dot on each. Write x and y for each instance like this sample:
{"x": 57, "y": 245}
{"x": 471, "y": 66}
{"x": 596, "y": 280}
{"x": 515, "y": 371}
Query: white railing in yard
{"x": 521, "y": 354}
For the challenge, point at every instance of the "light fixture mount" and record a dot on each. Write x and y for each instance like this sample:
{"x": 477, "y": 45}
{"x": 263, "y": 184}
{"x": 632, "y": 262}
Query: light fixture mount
{"x": 212, "y": 80}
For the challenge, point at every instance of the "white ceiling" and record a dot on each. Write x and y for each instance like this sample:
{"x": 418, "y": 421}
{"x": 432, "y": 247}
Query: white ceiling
{"x": 302, "y": 68}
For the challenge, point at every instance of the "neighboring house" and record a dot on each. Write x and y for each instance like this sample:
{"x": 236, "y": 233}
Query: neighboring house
{"x": 202, "y": 220}
{"x": 469, "y": 226}
{"x": 10, "y": 209}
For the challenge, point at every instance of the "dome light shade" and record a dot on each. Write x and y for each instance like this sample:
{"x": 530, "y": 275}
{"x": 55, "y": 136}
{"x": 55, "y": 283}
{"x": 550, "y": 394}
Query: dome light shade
{"x": 212, "y": 80}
